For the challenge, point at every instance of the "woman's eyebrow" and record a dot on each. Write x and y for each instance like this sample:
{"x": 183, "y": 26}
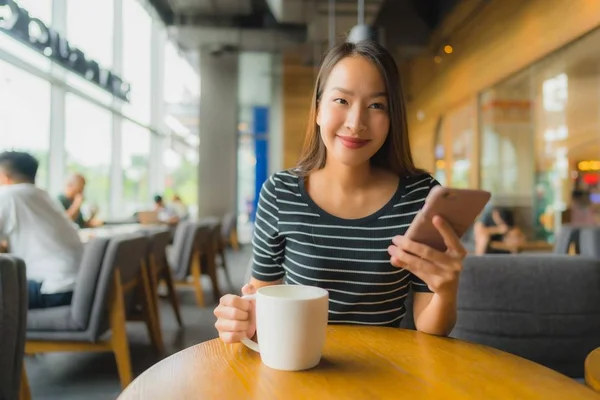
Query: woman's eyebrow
{"x": 351, "y": 93}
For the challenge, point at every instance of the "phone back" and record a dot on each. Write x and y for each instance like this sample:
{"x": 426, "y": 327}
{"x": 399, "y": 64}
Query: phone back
{"x": 459, "y": 207}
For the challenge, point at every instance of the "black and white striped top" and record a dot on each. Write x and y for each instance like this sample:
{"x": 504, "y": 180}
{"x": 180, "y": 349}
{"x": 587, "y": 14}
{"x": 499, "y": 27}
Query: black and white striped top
{"x": 296, "y": 240}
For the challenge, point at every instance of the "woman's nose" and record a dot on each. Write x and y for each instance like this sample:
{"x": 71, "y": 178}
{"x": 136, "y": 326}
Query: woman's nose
{"x": 355, "y": 120}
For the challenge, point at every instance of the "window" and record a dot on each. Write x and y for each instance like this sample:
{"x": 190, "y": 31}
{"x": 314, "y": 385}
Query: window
{"x": 88, "y": 147}
{"x": 90, "y": 27}
{"x": 181, "y": 174}
{"x": 25, "y": 116}
{"x": 135, "y": 161}
{"x": 136, "y": 59}
{"x": 41, "y": 9}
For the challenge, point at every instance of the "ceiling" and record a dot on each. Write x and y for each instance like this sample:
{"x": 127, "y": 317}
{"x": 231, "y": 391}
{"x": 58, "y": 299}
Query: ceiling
{"x": 301, "y": 25}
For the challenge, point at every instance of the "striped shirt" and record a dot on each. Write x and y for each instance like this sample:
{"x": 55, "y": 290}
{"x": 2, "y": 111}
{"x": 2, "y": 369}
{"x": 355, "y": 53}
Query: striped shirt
{"x": 295, "y": 240}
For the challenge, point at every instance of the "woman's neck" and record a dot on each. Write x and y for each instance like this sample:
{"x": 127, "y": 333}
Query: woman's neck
{"x": 347, "y": 178}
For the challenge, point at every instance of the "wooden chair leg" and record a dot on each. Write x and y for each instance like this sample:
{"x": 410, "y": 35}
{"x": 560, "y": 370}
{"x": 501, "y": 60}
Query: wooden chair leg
{"x": 212, "y": 273}
{"x": 154, "y": 281}
{"x": 224, "y": 265}
{"x": 24, "y": 392}
{"x": 118, "y": 341}
{"x": 233, "y": 239}
{"x": 149, "y": 311}
{"x": 197, "y": 278}
{"x": 168, "y": 278}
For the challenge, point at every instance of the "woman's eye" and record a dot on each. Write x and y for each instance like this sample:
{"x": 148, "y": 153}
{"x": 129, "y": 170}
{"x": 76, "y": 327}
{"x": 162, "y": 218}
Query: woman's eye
{"x": 378, "y": 106}
{"x": 340, "y": 101}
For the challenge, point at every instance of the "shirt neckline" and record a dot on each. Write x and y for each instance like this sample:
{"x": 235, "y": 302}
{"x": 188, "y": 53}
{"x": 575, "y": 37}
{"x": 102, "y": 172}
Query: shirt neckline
{"x": 325, "y": 216}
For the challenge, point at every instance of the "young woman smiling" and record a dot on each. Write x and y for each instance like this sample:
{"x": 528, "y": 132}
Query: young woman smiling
{"x": 336, "y": 221}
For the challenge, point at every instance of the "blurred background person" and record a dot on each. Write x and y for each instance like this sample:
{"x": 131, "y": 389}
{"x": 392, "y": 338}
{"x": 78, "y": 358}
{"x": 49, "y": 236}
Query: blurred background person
{"x": 72, "y": 199}
{"x": 38, "y": 232}
{"x": 493, "y": 225}
{"x": 166, "y": 214}
{"x": 179, "y": 207}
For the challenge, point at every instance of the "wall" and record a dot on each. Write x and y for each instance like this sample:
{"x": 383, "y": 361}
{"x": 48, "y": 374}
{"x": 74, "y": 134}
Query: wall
{"x": 298, "y": 81}
{"x": 504, "y": 37}
{"x": 218, "y": 134}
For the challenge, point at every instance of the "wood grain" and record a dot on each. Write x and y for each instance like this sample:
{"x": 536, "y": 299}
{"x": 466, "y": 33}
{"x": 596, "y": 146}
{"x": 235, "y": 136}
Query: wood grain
{"x": 592, "y": 370}
{"x": 358, "y": 363}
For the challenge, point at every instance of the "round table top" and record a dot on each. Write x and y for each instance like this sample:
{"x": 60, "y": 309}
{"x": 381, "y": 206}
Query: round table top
{"x": 592, "y": 370}
{"x": 358, "y": 363}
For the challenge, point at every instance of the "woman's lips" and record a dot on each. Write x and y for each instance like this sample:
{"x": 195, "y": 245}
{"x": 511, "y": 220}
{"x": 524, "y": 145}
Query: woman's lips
{"x": 353, "y": 142}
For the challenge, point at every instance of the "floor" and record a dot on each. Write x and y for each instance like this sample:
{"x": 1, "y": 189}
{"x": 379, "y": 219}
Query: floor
{"x": 93, "y": 376}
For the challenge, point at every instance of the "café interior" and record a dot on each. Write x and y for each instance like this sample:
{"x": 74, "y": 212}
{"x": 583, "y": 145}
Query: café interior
{"x": 168, "y": 116}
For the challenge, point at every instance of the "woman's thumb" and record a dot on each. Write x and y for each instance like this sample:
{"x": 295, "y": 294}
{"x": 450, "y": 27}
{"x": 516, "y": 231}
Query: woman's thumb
{"x": 248, "y": 289}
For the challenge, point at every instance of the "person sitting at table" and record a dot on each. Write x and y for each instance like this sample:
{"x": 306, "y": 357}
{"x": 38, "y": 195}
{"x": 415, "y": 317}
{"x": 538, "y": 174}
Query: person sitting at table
{"x": 165, "y": 213}
{"x": 179, "y": 207}
{"x": 38, "y": 232}
{"x": 337, "y": 220}
{"x": 72, "y": 200}
{"x": 495, "y": 223}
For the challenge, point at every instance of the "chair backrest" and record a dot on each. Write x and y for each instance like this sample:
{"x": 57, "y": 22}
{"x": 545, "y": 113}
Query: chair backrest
{"x": 124, "y": 252}
{"x": 159, "y": 240}
{"x": 197, "y": 236}
{"x": 13, "y": 321}
{"x": 567, "y": 235}
{"x": 228, "y": 224}
{"x": 545, "y": 308}
{"x": 589, "y": 242}
{"x": 183, "y": 243}
{"x": 87, "y": 281}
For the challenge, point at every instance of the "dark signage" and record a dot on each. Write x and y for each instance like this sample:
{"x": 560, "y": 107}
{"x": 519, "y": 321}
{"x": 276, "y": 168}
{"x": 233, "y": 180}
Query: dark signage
{"x": 16, "y": 22}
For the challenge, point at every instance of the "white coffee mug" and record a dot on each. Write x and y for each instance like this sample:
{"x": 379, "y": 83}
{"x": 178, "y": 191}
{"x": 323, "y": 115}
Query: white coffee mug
{"x": 291, "y": 322}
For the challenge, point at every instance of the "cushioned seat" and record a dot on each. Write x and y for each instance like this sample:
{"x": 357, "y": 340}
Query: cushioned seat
{"x": 13, "y": 311}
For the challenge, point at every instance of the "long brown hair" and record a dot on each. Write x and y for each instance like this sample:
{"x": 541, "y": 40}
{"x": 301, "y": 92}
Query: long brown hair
{"x": 395, "y": 154}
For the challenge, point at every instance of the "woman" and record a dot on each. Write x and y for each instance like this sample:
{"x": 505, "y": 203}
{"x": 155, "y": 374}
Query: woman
{"x": 336, "y": 220}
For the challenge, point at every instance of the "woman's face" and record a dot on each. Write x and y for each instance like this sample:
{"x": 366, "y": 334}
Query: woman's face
{"x": 353, "y": 112}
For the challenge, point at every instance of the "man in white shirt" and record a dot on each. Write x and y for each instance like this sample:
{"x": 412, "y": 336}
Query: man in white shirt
{"x": 37, "y": 231}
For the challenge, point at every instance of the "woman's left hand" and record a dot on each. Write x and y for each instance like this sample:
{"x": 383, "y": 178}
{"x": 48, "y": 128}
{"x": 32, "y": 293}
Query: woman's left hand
{"x": 439, "y": 270}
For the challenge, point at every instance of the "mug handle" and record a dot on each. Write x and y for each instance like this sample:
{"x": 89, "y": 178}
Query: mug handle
{"x": 247, "y": 341}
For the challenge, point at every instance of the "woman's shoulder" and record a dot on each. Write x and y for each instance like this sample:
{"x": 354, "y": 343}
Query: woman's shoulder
{"x": 288, "y": 178}
{"x": 421, "y": 180}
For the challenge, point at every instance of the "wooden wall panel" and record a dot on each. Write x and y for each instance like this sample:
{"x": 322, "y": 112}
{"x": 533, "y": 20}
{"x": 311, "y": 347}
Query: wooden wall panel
{"x": 505, "y": 37}
{"x": 298, "y": 81}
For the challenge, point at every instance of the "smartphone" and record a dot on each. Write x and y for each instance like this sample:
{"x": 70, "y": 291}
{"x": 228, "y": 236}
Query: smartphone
{"x": 459, "y": 207}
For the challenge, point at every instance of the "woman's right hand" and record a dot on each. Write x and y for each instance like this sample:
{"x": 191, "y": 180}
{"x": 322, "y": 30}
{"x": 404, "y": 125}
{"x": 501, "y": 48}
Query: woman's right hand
{"x": 235, "y": 316}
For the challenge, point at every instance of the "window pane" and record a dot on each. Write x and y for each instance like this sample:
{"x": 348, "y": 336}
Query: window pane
{"x": 41, "y": 9}
{"x": 135, "y": 165}
{"x": 137, "y": 29}
{"x": 181, "y": 176}
{"x": 25, "y": 115}
{"x": 88, "y": 146}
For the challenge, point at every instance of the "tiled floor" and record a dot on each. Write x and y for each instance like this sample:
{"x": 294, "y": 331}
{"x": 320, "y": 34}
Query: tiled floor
{"x": 91, "y": 376}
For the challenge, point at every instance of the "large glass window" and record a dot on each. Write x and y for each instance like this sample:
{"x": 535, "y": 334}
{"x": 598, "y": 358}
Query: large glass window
{"x": 137, "y": 58}
{"x": 549, "y": 110}
{"x": 90, "y": 28}
{"x": 181, "y": 164}
{"x": 455, "y": 147}
{"x": 88, "y": 148}
{"x": 135, "y": 162}
{"x": 25, "y": 115}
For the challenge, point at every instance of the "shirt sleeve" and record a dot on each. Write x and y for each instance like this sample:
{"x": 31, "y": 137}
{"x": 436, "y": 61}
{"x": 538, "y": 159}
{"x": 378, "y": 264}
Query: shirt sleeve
{"x": 268, "y": 245}
{"x": 417, "y": 285}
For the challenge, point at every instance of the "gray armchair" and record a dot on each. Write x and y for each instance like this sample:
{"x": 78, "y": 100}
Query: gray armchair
{"x": 190, "y": 244}
{"x": 545, "y": 308}
{"x": 229, "y": 231}
{"x": 13, "y": 318}
{"x": 109, "y": 269}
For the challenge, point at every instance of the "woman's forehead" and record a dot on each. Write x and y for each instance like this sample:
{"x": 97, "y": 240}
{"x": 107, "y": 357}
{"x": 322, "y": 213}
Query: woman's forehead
{"x": 356, "y": 74}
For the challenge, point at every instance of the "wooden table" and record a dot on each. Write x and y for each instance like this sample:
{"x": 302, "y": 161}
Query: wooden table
{"x": 536, "y": 245}
{"x": 358, "y": 363}
{"x": 86, "y": 234}
{"x": 592, "y": 370}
